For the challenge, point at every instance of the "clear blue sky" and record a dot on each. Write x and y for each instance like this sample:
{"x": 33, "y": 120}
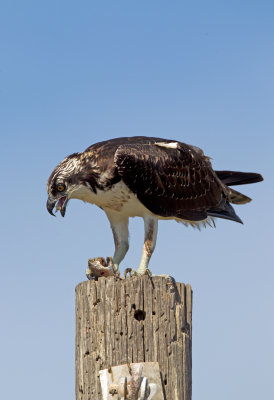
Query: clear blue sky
{"x": 74, "y": 73}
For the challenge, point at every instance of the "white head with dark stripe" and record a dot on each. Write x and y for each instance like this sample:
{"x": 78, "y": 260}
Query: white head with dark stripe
{"x": 70, "y": 175}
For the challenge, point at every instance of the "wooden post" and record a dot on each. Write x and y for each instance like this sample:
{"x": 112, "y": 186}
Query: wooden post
{"x": 137, "y": 319}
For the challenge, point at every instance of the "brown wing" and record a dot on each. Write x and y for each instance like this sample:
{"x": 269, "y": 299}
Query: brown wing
{"x": 171, "y": 182}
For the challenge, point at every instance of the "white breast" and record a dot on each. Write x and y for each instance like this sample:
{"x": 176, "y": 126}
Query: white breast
{"x": 122, "y": 202}
{"x": 119, "y": 198}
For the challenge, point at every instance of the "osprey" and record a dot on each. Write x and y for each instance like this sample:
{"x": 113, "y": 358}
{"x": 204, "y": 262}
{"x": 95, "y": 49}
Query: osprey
{"x": 147, "y": 177}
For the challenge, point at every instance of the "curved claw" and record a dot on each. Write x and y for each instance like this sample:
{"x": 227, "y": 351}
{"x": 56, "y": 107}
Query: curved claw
{"x": 148, "y": 272}
{"x": 132, "y": 272}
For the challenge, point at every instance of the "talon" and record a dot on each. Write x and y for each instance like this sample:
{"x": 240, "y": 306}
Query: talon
{"x": 113, "y": 267}
{"x": 148, "y": 272}
{"x": 130, "y": 271}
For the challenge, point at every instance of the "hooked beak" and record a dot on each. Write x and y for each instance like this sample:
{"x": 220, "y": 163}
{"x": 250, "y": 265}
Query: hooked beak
{"x": 50, "y": 205}
{"x": 61, "y": 205}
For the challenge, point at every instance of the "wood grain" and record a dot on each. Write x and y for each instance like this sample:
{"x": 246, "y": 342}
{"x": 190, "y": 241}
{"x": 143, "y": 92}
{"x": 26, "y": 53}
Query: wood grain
{"x": 133, "y": 320}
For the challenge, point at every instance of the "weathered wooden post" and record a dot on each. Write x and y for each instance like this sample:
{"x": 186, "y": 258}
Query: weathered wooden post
{"x": 133, "y": 320}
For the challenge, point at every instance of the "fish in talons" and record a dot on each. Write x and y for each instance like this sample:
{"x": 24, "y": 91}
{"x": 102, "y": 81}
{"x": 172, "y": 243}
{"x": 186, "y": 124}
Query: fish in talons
{"x": 99, "y": 267}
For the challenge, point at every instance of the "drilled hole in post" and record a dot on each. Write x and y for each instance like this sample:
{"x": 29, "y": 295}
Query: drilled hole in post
{"x": 140, "y": 315}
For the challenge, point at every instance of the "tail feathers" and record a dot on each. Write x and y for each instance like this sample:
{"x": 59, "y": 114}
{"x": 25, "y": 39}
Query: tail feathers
{"x": 231, "y": 178}
{"x": 226, "y": 212}
{"x": 237, "y": 197}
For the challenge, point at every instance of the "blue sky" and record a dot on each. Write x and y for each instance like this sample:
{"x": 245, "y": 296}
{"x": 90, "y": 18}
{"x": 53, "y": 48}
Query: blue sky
{"x": 74, "y": 73}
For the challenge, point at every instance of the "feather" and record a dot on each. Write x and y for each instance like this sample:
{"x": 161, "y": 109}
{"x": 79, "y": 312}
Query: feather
{"x": 231, "y": 178}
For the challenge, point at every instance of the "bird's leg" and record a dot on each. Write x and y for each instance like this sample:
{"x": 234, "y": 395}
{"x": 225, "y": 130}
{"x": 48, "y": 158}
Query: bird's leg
{"x": 120, "y": 236}
{"x": 151, "y": 228}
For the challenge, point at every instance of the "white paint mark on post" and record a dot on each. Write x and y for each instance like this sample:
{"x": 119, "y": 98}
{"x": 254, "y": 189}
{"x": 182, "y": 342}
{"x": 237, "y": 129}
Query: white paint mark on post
{"x": 137, "y": 381}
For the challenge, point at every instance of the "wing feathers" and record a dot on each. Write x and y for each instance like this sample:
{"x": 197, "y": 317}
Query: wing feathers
{"x": 227, "y": 212}
{"x": 237, "y": 197}
{"x": 170, "y": 182}
{"x": 231, "y": 178}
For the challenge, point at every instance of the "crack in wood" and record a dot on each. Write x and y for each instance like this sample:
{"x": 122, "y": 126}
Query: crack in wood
{"x": 133, "y": 320}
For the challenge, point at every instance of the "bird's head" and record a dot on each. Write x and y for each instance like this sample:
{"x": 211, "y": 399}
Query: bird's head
{"x": 63, "y": 182}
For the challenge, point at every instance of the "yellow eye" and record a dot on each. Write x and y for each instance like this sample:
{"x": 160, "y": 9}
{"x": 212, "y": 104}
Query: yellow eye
{"x": 60, "y": 188}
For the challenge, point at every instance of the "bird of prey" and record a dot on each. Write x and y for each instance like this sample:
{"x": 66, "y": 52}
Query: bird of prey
{"x": 147, "y": 177}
